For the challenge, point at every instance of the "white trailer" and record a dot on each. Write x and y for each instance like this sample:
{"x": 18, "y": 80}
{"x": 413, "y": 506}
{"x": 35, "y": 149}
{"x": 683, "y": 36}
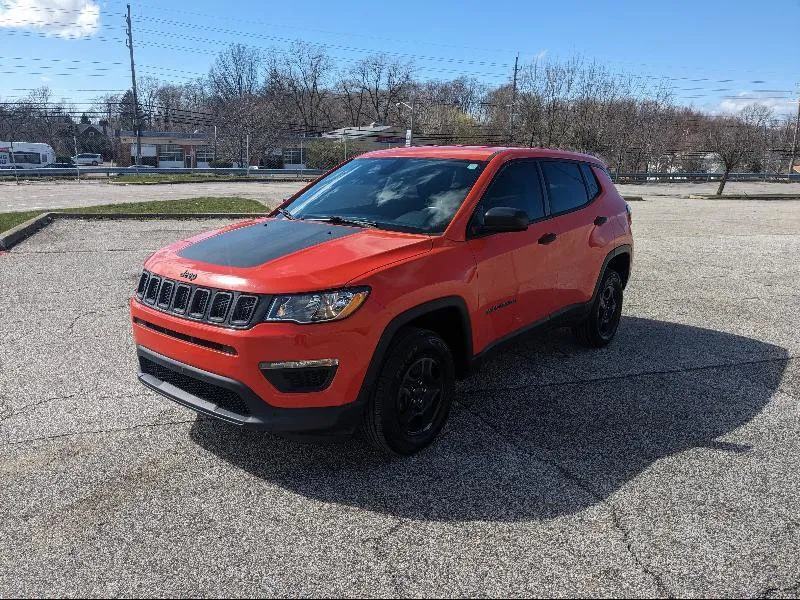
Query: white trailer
{"x": 26, "y": 155}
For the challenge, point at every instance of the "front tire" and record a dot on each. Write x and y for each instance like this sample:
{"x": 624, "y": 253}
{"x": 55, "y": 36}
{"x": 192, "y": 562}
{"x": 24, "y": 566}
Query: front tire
{"x": 413, "y": 395}
{"x": 600, "y": 325}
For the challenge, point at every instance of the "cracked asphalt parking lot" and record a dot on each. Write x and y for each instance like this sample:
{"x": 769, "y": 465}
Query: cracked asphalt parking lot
{"x": 665, "y": 464}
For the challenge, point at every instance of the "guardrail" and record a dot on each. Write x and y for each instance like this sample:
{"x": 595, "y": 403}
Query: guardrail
{"x": 300, "y": 173}
{"x": 46, "y": 171}
{"x": 693, "y": 177}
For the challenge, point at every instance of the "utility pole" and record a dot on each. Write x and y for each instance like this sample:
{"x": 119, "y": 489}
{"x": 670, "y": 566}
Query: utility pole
{"x": 137, "y": 119}
{"x": 794, "y": 138}
{"x": 77, "y": 166}
{"x": 513, "y": 99}
{"x": 106, "y": 130}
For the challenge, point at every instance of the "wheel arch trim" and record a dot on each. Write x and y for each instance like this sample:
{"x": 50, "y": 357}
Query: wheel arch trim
{"x": 404, "y": 318}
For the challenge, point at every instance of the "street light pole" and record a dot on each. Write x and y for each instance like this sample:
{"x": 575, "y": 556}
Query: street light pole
{"x": 410, "y": 134}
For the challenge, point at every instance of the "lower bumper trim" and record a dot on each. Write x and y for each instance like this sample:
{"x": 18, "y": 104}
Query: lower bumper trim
{"x": 258, "y": 414}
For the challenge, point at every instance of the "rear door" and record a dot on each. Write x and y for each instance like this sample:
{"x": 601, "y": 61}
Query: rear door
{"x": 572, "y": 221}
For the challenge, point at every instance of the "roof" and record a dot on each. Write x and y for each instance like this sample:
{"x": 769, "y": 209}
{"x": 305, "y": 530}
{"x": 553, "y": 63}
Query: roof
{"x": 480, "y": 153}
{"x": 362, "y": 132}
{"x": 82, "y": 127}
{"x": 166, "y": 135}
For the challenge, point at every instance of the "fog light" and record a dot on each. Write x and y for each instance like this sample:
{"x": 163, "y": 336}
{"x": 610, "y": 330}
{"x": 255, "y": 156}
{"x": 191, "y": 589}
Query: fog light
{"x": 300, "y": 376}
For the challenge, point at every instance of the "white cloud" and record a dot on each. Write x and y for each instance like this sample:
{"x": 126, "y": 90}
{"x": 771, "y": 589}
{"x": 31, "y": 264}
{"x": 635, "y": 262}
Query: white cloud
{"x": 62, "y": 18}
{"x": 746, "y": 98}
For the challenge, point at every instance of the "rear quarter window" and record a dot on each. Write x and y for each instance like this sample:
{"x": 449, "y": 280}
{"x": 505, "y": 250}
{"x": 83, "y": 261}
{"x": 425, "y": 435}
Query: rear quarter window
{"x": 592, "y": 186}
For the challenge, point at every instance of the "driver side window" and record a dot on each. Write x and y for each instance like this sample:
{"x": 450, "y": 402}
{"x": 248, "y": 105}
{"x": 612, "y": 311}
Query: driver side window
{"x": 517, "y": 185}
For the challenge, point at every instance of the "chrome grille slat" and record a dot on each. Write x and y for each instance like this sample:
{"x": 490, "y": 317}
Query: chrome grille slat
{"x": 165, "y": 294}
{"x": 152, "y": 289}
{"x": 219, "y": 306}
{"x": 182, "y": 295}
{"x": 199, "y": 303}
{"x": 244, "y": 309}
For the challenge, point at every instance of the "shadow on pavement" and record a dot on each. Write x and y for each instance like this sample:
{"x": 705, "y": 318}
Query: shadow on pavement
{"x": 518, "y": 448}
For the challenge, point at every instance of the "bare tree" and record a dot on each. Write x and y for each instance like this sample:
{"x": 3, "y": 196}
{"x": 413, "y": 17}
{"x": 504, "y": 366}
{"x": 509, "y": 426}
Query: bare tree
{"x": 385, "y": 81}
{"x": 733, "y": 139}
{"x": 301, "y": 76}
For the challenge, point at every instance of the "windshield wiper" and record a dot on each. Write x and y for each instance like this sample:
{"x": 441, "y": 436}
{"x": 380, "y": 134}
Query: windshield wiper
{"x": 286, "y": 214}
{"x": 337, "y": 220}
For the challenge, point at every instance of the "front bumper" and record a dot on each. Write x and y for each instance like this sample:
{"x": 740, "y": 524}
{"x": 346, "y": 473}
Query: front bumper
{"x": 229, "y": 400}
{"x": 229, "y": 359}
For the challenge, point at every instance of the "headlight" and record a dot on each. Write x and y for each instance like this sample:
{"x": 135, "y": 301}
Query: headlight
{"x": 317, "y": 307}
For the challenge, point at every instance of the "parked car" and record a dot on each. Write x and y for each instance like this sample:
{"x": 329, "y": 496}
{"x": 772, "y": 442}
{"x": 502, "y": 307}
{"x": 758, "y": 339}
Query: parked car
{"x": 88, "y": 159}
{"x": 60, "y": 165}
{"x": 360, "y": 300}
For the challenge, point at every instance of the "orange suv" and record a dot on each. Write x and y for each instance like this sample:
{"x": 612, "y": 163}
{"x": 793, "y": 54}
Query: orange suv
{"x": 361, "y": 299}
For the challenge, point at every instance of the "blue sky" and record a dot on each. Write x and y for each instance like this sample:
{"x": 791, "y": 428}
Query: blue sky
{"x": 716, "y": 54}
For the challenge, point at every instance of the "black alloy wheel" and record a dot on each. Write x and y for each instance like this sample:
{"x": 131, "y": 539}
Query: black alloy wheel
{"x": 411, "y": 399}
{"x": 419, "y": 397}
{"x": 610, "y": 300}
{"x": 601, "y": 324}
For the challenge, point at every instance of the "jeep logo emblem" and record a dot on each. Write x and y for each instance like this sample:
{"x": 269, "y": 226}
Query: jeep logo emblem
{"x": 189, "y": 275}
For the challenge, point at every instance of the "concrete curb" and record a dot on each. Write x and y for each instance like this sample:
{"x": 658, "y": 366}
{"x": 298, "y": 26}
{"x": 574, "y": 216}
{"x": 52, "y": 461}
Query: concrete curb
{"x": 744, "y": 197}
{"x": 24, "y": 230}
{"x": 633, "y": 199}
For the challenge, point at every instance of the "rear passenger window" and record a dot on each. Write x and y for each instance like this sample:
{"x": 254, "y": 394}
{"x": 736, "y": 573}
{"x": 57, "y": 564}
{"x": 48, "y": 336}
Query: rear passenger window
{"x": 517, "y": 186}
{"x": 564, "y": 185}
{"x": 592, "y": 187}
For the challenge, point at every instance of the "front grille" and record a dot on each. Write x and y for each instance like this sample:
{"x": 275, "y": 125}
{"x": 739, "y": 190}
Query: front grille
{"x": 222, "y": 397}
{"x": 224, "y": 308}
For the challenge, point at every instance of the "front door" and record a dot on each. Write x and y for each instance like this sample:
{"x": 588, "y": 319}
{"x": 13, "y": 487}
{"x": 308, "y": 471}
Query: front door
{"x": 515, "y": 276}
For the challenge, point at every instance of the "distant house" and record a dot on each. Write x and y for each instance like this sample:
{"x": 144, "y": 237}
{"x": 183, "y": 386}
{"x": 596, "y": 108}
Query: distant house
{"x": 90, "y": 130}
{"x": 167, "y": 149}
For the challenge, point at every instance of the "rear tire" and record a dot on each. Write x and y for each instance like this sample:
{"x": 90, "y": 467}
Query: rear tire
{"x": 600, "y": 325}
{"x": 413, "y": 395}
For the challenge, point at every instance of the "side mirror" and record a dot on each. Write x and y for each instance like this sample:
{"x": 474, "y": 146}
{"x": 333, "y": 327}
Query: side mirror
{"x": 504, "y": 219}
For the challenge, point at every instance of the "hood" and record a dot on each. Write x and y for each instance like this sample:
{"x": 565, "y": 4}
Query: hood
{"x": 280, "y": 256}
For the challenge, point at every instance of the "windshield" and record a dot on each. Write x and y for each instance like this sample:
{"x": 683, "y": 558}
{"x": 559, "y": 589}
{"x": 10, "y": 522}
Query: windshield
{"x": 403, "y": 194}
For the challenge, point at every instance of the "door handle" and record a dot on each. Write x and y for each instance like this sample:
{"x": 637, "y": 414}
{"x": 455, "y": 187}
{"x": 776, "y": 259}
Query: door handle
{"x": 548, "y": 238}
{"x": 600, "y": 220}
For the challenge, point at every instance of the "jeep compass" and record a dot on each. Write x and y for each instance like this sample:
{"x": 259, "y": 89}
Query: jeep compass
{"x": 359, "y": 301}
